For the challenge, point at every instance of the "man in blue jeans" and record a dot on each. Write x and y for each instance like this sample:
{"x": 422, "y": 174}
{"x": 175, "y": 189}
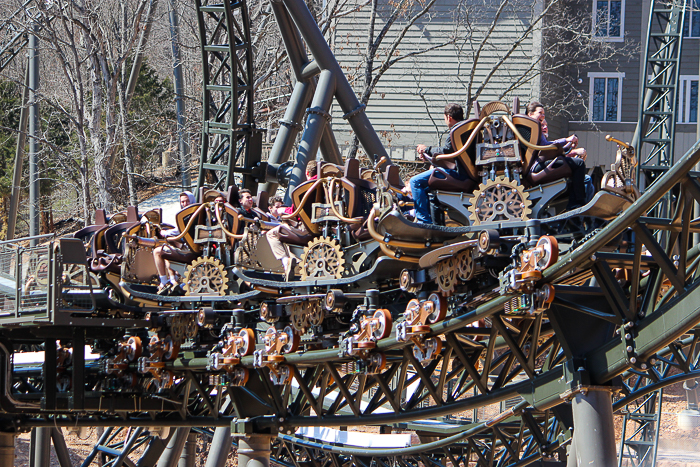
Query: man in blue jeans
{"x": 419, "y": 183}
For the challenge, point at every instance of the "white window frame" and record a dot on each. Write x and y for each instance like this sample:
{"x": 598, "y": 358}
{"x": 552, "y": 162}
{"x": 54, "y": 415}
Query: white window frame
{"x": 591, "y": 80}
{"x": 689, "y": 16}
{"x": 684, "y": 82}
{"x": 608, "y": 38}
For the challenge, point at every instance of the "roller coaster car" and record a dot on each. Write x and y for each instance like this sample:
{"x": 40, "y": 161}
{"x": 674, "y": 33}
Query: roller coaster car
{"x": 330, "y": 237}
{"x": 208, "y": 233}
{"x": 501, "y": 152}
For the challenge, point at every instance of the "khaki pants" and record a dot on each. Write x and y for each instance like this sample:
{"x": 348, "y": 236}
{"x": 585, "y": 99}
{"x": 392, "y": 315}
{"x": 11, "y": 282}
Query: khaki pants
{"x": 279, "y": 249}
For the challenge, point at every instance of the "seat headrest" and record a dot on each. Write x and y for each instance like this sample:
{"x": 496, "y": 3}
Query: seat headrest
{"x": 262, "y": 200}
{"x": 132, "y": 214}
{"x": 352, "y": 169}
{"x": 100, "y": 217}
{"x": 392, "y": 176}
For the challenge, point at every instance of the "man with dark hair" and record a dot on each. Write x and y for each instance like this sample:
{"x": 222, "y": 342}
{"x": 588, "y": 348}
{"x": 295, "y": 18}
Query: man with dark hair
{"x": 454, "y": 113}
{"x": 246, "y": 201}
{"x": 275, "y": 203}
{"x": 573, "y": 157}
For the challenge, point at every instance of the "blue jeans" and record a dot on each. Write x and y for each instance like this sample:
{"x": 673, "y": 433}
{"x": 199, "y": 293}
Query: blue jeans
{"x": 419, "y": 190}
{"x": 590, "y": 189}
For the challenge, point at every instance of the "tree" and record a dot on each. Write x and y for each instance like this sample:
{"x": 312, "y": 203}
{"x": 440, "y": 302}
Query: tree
{"x": 91, "y": 42}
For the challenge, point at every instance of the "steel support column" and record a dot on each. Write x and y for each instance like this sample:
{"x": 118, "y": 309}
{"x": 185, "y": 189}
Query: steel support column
{"x": 40, "y": 448}
{"x": 19, "y": 161}
{"x": 171, "y": 455}
{"x": 219, "y": 448}
{"x": 7, "y": 448}
{"x": 189, "y": 453}
{"x": 254, "y": 451}
{"x": 59, "y": 445}
{"x": 354, "y": 111}
{"x": 290, "y": 126}
{"x": 34, "y": 133}
{"x": 316, "y": 121}
{"x": 594, "y": 434}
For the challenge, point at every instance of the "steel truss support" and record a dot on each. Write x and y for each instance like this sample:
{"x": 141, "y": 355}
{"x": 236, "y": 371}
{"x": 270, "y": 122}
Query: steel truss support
{"x": 594, "y": 433}
{"x": 657, "y": 113}
{"x": 230, "y": 142}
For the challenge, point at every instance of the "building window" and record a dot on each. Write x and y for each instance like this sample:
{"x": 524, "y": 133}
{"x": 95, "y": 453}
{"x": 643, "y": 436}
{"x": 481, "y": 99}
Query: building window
{"x": 691, "y": 25}
{"x": 604, "y": 96}
{"x": 688, "y": 99}
{"x": 608, "y": 19}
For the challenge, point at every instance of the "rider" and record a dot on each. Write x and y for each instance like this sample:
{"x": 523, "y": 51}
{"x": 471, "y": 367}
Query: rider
{"x": 576, "y": 164}
{"x": 280, "y": 250}
{"x": 454, "y": 113}
{"x": 167, "y": 276}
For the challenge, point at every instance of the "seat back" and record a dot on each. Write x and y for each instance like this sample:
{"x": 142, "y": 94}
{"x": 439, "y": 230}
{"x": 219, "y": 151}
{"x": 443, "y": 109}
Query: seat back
{"x": 262, "y": 200}
{"x": 459, "y": 134}
{"x": 182, "y": 218}
{"x": 132, "y": 214}
{"x": 328, "y": 169}
{"x": 392, "y": 176}
{"x": 530, "y": 129}
{"x": 100, "y": 217}
{"x": 113, "y": 237}
{"x": 316, "y": 196}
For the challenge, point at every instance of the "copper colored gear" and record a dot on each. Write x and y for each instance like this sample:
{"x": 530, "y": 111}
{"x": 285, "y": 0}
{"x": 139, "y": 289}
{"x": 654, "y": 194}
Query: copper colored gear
{"x": 446, "y": 275}
{"x": 465, "y": 265}
{"x": 499, "y": 200}
{"x": 206, "y": 276}
{"x": 322, "y": 258}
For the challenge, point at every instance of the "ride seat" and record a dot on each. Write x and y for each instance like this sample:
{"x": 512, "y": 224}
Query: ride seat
{"x": 295, "y": 236}
{"x": 530, "y": 129}
{"x": 393, "y": 177}
{"x": 459, "y": 134}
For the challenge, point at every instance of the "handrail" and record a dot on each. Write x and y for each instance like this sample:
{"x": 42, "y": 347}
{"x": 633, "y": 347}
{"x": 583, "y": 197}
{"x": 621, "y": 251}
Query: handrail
{"x": 524, "y": 141}
{"x": 475, "y": 131}
{"x": 612, "y": 139}
{"x": 287, "y": 217}
{"x": 221, "y": 224}
{"x": 348, "y": 220}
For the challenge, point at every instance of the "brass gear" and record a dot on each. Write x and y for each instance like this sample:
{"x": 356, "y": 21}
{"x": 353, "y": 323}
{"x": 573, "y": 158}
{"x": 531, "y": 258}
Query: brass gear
{"x": 298, "y": 315}
{"x": 465, "y": 265}
{"x": 499, "y": 200}
{"x": 446, "y": 275}
{"x": 322, "y": 258}
{"x": 206, "y": 276}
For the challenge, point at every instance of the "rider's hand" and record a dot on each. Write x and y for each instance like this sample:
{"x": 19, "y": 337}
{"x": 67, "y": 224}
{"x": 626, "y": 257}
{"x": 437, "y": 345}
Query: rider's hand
{"x": 421, "y": 148}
